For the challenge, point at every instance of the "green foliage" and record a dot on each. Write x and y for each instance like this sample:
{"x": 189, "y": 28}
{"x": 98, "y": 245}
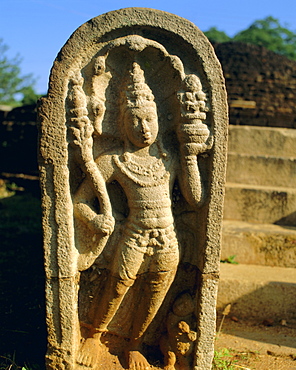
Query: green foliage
{"x": 267, "y": 32}
{"x": 214, "y": 34}
{"x": 223, "y": 360}
{"x": 230, "y": 259}
{"x": 9, "y": 363}
{"x": 15, "y": 88}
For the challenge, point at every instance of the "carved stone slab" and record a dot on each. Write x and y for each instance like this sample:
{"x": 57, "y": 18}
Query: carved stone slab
{"x": 132, "y": 162}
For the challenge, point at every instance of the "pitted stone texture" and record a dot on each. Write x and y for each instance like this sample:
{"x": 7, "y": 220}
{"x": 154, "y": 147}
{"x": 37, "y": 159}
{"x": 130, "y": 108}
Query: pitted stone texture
{"x": 261, "y": 170}
{"x": 262, "y": 141}
{"x": 259, "y": 244}
{"x": 260, "y": 204}
{"x": 132, "y": 159}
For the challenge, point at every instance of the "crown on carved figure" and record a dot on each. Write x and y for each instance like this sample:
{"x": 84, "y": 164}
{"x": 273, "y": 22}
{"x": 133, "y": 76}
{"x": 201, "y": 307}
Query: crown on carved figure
{"x": 136, "y": 92}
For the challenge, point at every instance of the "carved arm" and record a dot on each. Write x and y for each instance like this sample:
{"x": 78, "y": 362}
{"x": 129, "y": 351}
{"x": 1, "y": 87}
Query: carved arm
{"x": 194, "y": 138}
{"x": 80, "y": 132}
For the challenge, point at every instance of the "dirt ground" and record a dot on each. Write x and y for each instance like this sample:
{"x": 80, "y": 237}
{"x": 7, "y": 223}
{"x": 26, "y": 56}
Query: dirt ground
{"x": 262, "y": 346}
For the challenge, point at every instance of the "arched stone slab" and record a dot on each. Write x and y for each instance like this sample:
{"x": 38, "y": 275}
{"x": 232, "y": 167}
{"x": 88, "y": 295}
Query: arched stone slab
{"x": 132, "y": 162}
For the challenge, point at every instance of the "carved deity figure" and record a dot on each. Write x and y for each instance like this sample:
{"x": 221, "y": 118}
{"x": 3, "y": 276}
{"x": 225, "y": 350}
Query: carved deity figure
{"x": 132, "y": 158}
{"x": 147, "y": 250}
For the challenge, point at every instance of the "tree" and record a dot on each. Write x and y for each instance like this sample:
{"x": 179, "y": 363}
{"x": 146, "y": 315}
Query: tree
{"x": 214, "y": 34}
{"x": 15, "y": 89}
{"x": 267, "y": 32}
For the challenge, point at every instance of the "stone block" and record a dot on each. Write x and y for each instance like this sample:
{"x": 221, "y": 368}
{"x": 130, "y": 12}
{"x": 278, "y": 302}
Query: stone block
{"x": 261, "y": 170}
{"x": 260, "y": 204}
{"x": 258, "y": 292}
{"x": 262, "y": 141}
{"x": 259, "y": 244}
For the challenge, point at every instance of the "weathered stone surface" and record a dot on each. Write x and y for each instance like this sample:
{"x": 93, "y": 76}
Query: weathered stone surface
{"x": 261, "y": 170}
{"x": 262, "y": 141}
{"x": 257, "y": 75}
{"x": 258, "y": 292}
{"x": 259, "y": 244}
{"x": 132, "y": 161}
{"x": 260, "y": 204}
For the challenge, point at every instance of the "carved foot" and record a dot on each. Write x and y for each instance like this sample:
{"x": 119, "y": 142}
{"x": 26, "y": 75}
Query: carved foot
{"x": 89, "y": 353}
{"x": 136, "y": 361}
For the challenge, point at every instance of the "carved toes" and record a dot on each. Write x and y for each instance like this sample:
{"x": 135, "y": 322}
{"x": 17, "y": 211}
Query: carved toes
{"x": 137, "y": 361}
{"x": 89, "y": 353}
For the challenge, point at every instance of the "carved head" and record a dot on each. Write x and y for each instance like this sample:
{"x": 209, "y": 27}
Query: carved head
{"x": 183, "y": 305}
{"x": 138, "y": 109}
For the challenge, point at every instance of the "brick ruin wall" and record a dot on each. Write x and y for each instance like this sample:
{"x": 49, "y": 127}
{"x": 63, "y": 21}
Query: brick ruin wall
{"x": 261, "y": 85}
{"x": 261, "y": 88}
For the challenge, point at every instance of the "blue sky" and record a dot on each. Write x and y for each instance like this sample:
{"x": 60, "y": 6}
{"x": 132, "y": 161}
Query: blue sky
{"x": 37, "y": 29}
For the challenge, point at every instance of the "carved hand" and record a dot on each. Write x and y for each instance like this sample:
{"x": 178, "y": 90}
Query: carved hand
{"x": 103, "y": 223}
{"x": 194, "y": 137}
{"x": 80, "y": 136}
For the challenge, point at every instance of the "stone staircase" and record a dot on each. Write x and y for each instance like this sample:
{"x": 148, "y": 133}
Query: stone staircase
{"x": 260, "y": 224}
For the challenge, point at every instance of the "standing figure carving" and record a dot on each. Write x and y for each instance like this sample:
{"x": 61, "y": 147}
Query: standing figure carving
{"x": 148, "y": 250}
{"x": 132, "y": 150}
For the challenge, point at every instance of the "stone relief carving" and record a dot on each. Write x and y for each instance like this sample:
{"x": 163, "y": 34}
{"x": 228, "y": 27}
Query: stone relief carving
{"x": 131, "y": 157}
{"x": 132, "y": 150}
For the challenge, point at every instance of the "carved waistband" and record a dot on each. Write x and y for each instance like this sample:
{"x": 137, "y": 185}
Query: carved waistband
{"x": 151, "y": 204}
{"x": 160, "y": 238}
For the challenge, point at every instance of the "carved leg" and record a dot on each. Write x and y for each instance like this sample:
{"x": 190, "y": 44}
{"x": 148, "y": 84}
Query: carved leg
{"x": 183, "y": 362}
{"x": 169, "y": 361}
{"x": 113, "y": 295}
{"x": 155, "y": 288}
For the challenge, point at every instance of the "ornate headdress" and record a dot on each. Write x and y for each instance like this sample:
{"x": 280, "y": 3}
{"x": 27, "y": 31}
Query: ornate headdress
{"x": 135, "y": 92}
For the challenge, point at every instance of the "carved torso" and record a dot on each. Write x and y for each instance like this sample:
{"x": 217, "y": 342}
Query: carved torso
{"x": 148, "y": 188}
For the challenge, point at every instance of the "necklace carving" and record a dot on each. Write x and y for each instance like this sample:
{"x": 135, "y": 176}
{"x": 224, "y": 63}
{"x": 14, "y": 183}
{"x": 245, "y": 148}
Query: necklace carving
{"x": 143, "y": 174}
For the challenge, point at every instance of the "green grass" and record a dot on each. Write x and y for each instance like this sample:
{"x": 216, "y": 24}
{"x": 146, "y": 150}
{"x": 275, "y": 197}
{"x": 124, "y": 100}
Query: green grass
{"x": 22, "y": 329}
{"x": 230, "y": 259}
{"x": 223, "y": 360}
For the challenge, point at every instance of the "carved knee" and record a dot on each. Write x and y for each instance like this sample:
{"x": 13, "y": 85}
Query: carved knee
{"x": 122, "y": 285}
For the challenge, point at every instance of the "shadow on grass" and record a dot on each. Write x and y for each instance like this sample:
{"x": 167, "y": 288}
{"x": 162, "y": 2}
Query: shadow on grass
{"x": 22, "y": 308}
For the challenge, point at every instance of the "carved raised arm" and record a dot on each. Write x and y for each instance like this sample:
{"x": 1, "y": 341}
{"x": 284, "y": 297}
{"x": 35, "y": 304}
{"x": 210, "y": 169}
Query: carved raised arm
{"x": 194, "y": 137}
{"x": 80, "y": 132}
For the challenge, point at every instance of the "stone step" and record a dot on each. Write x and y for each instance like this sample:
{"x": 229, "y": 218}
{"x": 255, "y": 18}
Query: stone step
{"x": 258, "y": 292}
{"x": 256, "y": 140}
{"x": 260, "y": 204}
{"x": 259, "y": 244}
{"x": 261, "y": 170}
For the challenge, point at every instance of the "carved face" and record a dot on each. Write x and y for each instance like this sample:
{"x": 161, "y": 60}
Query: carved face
{"x": 141, "y": 125}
